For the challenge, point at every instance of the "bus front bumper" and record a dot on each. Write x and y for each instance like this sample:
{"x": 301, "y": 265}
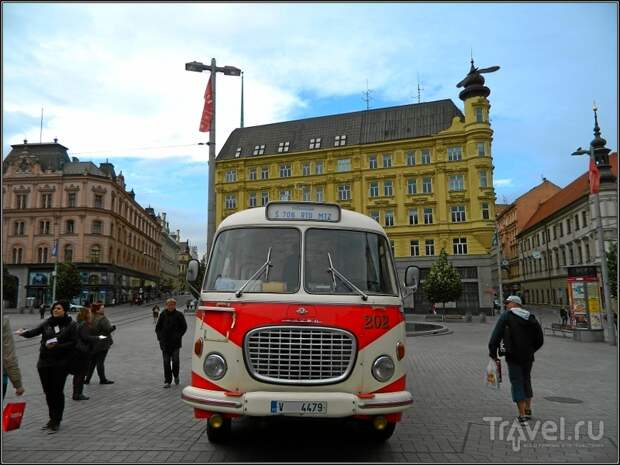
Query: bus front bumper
{"x": 314, "y": 404}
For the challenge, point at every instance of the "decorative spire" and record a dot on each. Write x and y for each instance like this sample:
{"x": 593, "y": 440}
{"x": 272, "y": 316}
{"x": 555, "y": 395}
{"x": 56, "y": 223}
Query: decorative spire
{"x": 598, "y": 141}
{"x": 601, "y": 153}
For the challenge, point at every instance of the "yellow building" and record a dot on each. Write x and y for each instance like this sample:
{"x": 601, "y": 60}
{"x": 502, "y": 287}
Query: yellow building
{"x": 424, "y": 171}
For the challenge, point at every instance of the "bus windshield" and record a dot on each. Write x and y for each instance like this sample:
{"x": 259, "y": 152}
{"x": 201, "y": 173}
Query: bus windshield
{"x": 361, "y": 257}
{"x": 240, "y": 253}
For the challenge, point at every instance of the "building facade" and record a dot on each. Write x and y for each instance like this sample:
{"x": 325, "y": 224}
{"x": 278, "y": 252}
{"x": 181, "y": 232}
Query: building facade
{"x": 52, "y": 203}
{"x": 423, "y": 171}
{"x": 169, "y": 265}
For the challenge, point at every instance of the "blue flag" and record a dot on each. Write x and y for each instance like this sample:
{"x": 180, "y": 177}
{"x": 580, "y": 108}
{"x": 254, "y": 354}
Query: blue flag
{"x": 55, "y": 249}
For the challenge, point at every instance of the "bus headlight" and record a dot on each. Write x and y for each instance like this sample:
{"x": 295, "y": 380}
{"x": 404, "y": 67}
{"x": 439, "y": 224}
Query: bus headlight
{"x": 215, "y": 366}
{"x": 383, "y": 368}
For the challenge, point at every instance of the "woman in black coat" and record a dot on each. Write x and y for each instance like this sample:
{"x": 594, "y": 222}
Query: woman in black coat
{"x": 86, "y": 341}
{"x": 58, "y": 339}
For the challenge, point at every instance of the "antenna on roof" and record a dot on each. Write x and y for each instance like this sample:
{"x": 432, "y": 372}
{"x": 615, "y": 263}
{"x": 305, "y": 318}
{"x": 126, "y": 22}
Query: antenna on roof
{"x": 366, "y": 96}
{"x": 41, "y": 131}
{"x": 419, "y": 88}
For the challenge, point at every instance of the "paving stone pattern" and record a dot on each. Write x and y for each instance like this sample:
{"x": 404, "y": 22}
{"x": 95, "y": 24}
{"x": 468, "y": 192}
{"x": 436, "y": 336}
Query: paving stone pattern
{"x": 136, "y": 420}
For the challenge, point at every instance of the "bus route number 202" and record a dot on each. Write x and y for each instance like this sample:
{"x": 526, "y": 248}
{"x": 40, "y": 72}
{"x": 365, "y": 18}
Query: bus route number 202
{"x": 376, "y": 321}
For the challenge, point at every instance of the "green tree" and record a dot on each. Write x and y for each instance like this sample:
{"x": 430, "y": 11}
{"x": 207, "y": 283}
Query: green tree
{"x": 612, "y": 268}
{"x": 68, "y": 284}
{"x": 443, "y": 283}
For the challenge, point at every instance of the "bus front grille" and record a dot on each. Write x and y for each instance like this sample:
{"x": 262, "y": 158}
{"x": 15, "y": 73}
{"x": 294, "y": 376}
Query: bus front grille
{"x": 299, "y": 354}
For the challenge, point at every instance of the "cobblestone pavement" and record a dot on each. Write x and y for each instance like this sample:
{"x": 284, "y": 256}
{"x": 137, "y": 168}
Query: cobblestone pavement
{"x": 135, "y": 420}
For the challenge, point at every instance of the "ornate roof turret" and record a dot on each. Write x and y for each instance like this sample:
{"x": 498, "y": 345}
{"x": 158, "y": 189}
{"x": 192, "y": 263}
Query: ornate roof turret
{"x": 473, "y": 83}
{"x": 601, "y": 153}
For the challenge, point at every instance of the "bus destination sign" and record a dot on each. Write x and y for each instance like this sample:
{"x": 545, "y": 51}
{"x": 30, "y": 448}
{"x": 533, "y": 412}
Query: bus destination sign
{"x": 302, "y": 211}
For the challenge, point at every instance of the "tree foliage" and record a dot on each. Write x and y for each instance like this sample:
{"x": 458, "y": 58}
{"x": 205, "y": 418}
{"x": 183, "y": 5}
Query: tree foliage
{"x": 612, "y": 268}
{"x": 68, "y": 284}
{"x": 443, "y": 283}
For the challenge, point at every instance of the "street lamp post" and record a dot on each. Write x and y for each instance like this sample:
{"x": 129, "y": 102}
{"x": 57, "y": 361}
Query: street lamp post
{"x": 598, "y": 142}
{"x": 228, "y": 71}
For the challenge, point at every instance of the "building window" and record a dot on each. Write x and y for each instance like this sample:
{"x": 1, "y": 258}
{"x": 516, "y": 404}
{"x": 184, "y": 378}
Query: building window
{"x": 374, "y": 214}
{"x": 319, "y": 194}
{"x": 576, "y": 222}
{"x": 456, "y": 183}
{"x": 584, "y": 219}
{"x": 305, "y": 194}
{"x": 426, "y": 157}
{"x": 285, "y": 170}
{"x": 373, "y": 189}
{"x": 343, "y": 165}
{"x": 479, "y": 115}
{"x": 231, "y": 175}
{"x": 238, "y": 152}
{"x": 458, "y": 213}
{"x": 315, "y": 143}
{"x": 586, "y": 245}
{"x": 71, "y": 199}
{"x": 411, "y": 186}
{"x": 252, "y": 200}
{"x": 42, "y": 254}
{"x": 568, "y": 226}
{"x": 230, "y": 201}
{"x": 427, "y": 185}
{"x": 344, "y": 192}
{"x": 429, "y": 246}
{"x": 372, "y": 162}
{"x": 387, "y": 188}
{"x": 459, "y": 246}
{"x": 18, "y": 255}
{"x": 571, "y": 254}
{"x": 485, "y": 211}
{"x": 44, "y": 227}
{"x": 410, "y": 158}
{"x": 259, "y": 149}
{"x": 252, "y": 174}
{"x": 97, "y": 227}
{"x": 318, "y": 167}
{"x": 95, "y": 254}
{"x": 264, "y": 198}
{"x": 46, "y": 200}
{"x": 387, "y": 160}
{"x": 483, "y": 178}
{"x": 305, "y": 169}
{"x": 428, "y": 216}
{"x": 454, "y": 154}
{"x": 68, "y": 253}
{"x": 480, "y": 146}
{"x": 21, "y": 201}
{"x": 414, "y": 247}
{"x": 283, "y": 146}
{"x": 413, "y": 216}
{"x": 579, "y": 254}
{"x": 264, "y": 172}
{"x": 563, "y": 256}
{"x": 285, "y": 194}
{"x": 340, "y": 140}
{"x": 19, "y": 228}
{"x": 98, "y": 201}
{"x": 561, "y": 230}
{"x": 389, "y": 218}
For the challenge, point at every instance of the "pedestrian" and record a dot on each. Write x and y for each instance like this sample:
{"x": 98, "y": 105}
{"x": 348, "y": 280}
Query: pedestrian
{"x": 169, "y": 329}
{"x": 101, "y": 327}
{"x": 155, "y": 313}
{"x": 58, "y": 338}
{"x": 85, "y": 344}
{"x": 42, "y": 309}
{"x": 10, "y": 366}
{"x": 522, "y": 336}
{"x": 564, "y": 316}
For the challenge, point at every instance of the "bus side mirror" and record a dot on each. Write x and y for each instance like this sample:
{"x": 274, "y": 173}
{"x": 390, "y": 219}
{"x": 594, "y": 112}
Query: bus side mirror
{"x": 192, "y": 270}
{"x": 412, "y": 278}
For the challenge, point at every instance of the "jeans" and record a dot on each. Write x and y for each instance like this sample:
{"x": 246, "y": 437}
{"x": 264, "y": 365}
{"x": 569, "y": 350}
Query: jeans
{"x": 520, "y": 380}
{"x": 171, "y": 364}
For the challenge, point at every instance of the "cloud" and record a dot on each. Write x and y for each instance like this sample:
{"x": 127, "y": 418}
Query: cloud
{"x": 502, "y": 182}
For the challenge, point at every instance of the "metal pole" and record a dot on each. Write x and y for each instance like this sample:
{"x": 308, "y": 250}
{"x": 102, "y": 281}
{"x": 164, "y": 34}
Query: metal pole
{"x": 56, "y": 245}
{"x": 603, "y": 258}
{"x": 211, "y": 200}
{"x": 499, "y": 273}
{"x": 241, "y": 98}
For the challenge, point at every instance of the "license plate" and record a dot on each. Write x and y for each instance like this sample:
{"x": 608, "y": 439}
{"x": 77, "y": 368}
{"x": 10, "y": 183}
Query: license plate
{"x": 279, "y": 407}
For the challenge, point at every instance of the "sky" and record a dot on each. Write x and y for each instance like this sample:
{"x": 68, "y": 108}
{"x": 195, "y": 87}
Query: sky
{"x": 111, "y": 80}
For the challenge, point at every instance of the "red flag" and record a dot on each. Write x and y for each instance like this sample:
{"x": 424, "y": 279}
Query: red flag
{"x": 207, "y": 112}
{"x": 594, "y": 176}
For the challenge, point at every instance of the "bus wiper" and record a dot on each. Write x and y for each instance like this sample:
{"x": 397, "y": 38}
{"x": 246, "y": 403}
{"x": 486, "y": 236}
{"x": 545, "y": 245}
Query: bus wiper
{"x": 267, "y": 265}
{"x": 335, "y": 273}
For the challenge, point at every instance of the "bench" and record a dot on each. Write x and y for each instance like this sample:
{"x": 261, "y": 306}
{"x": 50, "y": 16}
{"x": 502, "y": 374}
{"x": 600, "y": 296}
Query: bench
{"x": 561, "y": 329}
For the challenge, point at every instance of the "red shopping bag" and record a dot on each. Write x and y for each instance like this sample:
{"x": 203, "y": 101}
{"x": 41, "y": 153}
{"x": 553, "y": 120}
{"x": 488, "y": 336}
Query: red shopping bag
{"x": 12, "y": 415}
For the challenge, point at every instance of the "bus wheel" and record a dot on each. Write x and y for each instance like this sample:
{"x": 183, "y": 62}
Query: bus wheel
{"x": 382, "y": 434}
{"x": 218, "y": 429}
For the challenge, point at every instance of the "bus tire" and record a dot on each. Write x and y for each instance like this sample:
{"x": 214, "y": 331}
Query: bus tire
{"x": 382, "y": 435}
{"x": 221, "y": 434}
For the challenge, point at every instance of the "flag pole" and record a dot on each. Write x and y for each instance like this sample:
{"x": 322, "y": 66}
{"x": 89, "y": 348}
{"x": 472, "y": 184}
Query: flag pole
{"x": 55, "y": 250}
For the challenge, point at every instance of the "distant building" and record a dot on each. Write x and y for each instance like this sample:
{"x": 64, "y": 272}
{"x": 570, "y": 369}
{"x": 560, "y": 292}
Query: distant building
{"x": 83, "y": 209}
{"x": 183, "y": 258}
{"x": 169, "y": 265}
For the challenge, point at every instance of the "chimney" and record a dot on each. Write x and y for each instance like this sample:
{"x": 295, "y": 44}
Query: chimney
{"x": 55, "y": 140}
{"x": 163, "y": 216}
{"x": 179, "y": 235}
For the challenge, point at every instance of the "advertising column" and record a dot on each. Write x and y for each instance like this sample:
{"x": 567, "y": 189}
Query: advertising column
{"x": 585, "y": 303}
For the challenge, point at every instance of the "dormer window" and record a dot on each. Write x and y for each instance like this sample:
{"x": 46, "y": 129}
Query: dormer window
{"x": 238, "y": 152}
{"x": 340, "y": 140}
{"x": 259, "y": 149}
{"x": 315, "y": 143}
{"x": 479, "y": 115}
{"x": 283, "y": 147}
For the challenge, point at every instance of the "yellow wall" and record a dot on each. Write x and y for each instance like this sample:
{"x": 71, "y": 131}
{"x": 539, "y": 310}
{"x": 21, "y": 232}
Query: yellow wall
{"x": 465, "y": 134}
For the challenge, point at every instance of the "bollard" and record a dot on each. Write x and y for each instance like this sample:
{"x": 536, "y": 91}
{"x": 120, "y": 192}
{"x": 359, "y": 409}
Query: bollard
{"x": 468, "y": 317}
{"x": 483, "y": 317}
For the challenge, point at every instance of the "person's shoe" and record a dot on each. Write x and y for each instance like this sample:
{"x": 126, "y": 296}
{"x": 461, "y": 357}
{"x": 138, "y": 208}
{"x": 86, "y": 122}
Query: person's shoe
{"x": 80, "y": 397}
{"x": 106, "y": 381}
{"x": 87, "y": 381}
{"x": 166, "y": 385}
{"x": 523, "y": 420}
{"x": 53, "y": 428}
{"x": 176, "y": 380}
{"x": 47, "y": 425}
{"x": 528, "y": 413}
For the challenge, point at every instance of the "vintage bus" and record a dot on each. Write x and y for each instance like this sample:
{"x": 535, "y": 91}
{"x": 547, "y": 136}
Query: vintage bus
{"x": 300, "y": 313}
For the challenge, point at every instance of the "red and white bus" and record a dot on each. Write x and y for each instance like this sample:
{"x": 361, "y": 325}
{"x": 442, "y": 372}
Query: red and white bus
{"x": 300, "y": 314}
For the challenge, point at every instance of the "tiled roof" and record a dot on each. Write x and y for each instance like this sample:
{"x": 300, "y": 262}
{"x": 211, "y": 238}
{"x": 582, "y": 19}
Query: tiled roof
{"x": 571, "y": 193}
{"x": 361, "y": 127}
{"x": 80, "y": 166}
{"x": 500, "y": 208}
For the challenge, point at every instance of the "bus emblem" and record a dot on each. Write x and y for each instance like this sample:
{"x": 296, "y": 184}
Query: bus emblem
{"x": 301, "y": 311}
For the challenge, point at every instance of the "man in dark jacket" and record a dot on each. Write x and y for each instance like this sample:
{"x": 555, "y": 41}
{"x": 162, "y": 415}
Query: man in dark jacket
{"x": 522, "y": 336}
{"x": 170, "y": 328}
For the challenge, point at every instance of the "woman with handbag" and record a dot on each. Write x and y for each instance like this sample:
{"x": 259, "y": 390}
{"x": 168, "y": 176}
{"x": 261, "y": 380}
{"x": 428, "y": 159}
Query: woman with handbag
{"x": 85, "y": 343}
{"x": 101, "y": 327}
{"x": 58, "y": 338}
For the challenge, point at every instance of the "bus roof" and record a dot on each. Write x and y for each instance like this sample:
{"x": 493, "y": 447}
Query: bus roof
{"x": 256, "y": 216}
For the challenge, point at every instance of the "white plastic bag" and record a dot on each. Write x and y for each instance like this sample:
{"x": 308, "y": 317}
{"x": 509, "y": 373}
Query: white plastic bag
{"x": 492, "y": 376}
